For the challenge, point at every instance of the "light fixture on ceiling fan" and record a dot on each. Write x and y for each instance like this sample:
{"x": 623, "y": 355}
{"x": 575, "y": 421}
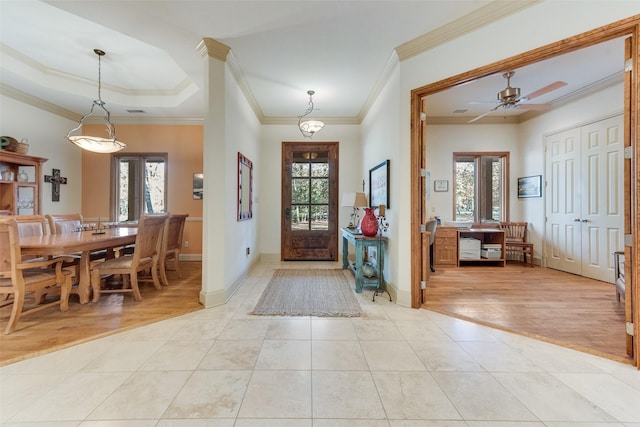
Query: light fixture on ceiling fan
{"x": 309, "y": 127}
{"x": 97, "y": 144}
{"x": 509, "y": 97}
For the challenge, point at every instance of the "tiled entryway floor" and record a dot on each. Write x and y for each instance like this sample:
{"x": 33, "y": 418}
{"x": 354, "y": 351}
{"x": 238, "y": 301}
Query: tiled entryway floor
{"x": 396, "y": 367}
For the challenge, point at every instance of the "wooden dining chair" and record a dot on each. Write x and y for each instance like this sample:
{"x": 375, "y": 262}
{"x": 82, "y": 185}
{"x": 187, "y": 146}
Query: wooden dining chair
{"x": 516, "y": 240}
{"x": 17, "y": 278}
{"x": 145, "y": 257}
{"x": 64, "y": 223}
{"x": 171, "y": 245}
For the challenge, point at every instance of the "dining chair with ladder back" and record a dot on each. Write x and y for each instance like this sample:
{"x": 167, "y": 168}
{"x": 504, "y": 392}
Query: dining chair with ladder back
{"x": 516, "y": 240}
{"x": 146, "y": 256}
{"x": 171, "y": 245}
{"x": 18, "y": 277}
{"x": 36, "y": 225}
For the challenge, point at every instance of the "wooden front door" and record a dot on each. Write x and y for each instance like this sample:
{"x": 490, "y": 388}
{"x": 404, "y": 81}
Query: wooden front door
{"x": 309, "y": 221}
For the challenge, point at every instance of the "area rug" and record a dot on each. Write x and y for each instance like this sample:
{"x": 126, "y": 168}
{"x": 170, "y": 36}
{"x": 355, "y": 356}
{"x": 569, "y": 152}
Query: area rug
{"x": 309, "y": 292}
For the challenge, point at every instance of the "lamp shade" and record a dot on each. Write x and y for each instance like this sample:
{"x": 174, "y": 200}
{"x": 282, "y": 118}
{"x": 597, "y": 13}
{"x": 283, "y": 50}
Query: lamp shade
{"x": 355, "y": 200}
{"x": 311, "y": 126}
{"x": 361, "y": 201}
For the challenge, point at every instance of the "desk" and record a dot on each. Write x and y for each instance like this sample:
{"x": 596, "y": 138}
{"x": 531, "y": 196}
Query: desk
{"x": 485, "y": 235}
{"x": 360, "y": 241}
{"x": 84, "y": 242}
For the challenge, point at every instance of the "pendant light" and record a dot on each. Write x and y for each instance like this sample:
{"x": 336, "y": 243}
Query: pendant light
{"x": 97, "y": 144}
{"x": 309, "y": 127}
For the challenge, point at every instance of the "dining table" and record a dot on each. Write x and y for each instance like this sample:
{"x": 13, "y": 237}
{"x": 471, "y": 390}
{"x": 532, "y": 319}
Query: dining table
{"x": 84, "y": 242}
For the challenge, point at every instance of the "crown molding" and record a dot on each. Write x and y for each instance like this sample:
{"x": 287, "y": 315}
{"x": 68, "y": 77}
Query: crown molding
{"x": 38, "y": 103}
{"x": 492, "y": 12}
{"x": 213, "y": 48}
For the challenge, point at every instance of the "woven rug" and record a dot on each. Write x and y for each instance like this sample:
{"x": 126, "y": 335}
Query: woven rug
{"x": 316, "y": 292}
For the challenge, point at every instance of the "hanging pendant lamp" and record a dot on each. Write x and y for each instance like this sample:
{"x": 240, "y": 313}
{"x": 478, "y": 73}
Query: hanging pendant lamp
{"x": 309, "y": 127}
{"x": 97, "y": 144}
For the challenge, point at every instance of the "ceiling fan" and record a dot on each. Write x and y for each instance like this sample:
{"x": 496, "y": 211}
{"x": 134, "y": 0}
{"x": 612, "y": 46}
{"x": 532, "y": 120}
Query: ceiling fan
{"x": 510, "y": 97}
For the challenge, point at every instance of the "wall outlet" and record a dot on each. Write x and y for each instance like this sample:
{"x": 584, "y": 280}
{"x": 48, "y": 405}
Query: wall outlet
{"x": 248, "y": 251}
{"x": 186, "y": 243}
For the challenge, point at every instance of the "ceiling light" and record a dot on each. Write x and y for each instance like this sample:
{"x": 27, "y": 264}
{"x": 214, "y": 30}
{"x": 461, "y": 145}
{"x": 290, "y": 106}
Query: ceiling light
{"x": 309, "y": 127}
{"x": 97, "y": 144}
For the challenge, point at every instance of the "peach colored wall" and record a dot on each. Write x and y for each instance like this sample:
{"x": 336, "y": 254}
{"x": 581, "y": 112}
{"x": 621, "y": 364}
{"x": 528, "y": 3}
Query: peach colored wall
{"x": 182, "y": 143}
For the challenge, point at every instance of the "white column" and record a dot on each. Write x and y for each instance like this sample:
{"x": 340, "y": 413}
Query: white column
{"x": 215, "y": 182}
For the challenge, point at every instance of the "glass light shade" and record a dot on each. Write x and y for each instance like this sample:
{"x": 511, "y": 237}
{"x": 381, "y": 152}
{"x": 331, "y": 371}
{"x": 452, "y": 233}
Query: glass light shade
{"x": 311, "y": 126}
{"x": 97, "y": 144}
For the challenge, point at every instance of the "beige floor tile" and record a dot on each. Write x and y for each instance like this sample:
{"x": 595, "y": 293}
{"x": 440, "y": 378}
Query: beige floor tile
{"x": 285, "y": 355}
{"x": 177, "y": 356}
{"x": 413, "y": 395}
{"x": 444, "y": 356}
{"x": 231, "y": 355}
{"x": 478, "y": 396}
{"x": 145, "y": 395}
{"x": 289, "y": 329}
{"x": 332, "y": 329}
{"x": 391, "y": 356}
{"x": 278, "y": 394}
{"x": 345, "y": 394}
{"x": 338, "y": 356}
{"x": 210, "y": 394}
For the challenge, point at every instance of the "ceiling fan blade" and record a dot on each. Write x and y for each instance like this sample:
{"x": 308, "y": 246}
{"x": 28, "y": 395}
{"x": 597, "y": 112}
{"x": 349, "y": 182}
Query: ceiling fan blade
{"x": 546, "y": 89}
{"x": 482, "y": 115}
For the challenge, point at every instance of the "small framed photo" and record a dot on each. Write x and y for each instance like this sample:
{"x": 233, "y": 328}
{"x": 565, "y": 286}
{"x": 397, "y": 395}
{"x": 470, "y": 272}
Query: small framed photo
{"x": 440, "y": 185}
{"x": 530, "y": 186}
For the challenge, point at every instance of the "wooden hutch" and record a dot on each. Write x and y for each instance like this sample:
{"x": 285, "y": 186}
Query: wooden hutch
{"x": 20, "y": 183}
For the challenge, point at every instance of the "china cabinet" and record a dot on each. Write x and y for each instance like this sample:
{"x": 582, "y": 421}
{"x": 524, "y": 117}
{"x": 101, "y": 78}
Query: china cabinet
{"x": 20, "y": 179}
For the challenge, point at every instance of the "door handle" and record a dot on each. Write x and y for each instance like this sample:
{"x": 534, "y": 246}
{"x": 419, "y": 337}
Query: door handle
{"x": 585, "y": 220}
{"x": 577, "y": 219}
{"x": 287, "y": 213}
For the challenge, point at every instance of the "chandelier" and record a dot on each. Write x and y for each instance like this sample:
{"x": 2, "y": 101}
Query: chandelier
{"x": 309, "y": 127}
{"x": 97, "y": 144}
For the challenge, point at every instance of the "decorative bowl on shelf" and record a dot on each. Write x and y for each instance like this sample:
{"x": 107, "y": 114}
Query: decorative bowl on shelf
{"x": 368, "y": 270}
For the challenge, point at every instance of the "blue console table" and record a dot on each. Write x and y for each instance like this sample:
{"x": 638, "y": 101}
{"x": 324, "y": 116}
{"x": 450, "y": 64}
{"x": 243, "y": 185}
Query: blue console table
{"x": 360, "y": 242}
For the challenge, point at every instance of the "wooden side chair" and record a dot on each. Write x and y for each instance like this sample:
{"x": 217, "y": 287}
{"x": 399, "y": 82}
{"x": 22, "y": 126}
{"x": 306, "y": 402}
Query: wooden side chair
{"x": 17, "y": 278}
{"x": 64, "y": 223}
{"x": 171, "y": 245}
{"x": 516, "y": 240}
{"x": 146, "y": 255}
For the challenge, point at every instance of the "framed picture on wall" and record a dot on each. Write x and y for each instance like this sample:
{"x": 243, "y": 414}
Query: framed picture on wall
{"x": 530, "y": 186}
{"x": 440, "y": 185}
{"x": 379, "y": 185}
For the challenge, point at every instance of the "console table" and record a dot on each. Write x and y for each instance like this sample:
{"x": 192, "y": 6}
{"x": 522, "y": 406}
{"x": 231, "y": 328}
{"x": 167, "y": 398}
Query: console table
{"x": 360, "y": 242}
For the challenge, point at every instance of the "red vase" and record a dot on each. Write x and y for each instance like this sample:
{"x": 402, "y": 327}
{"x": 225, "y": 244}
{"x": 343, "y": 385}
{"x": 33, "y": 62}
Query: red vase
{"x": 369, "y": 223}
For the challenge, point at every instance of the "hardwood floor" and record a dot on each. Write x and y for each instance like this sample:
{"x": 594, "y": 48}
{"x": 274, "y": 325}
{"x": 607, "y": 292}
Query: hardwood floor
{"x": 547, "y": 304}
{"x": 51, "y": 329}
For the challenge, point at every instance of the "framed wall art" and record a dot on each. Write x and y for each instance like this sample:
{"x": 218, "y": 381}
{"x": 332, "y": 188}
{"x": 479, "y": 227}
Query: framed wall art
{"x": 379, "y": 185}
{"x": 530, "y": 186}
{"x": 440, "y": 185}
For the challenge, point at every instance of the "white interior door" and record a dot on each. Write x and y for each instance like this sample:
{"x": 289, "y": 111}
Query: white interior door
{"x": 585, "y": 211}
{"x": 563, "y": 210}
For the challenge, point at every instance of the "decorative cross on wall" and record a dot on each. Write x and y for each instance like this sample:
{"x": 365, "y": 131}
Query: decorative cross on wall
{"x": 56, "y": 180}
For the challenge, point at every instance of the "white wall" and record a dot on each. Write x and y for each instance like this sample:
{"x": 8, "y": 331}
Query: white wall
{"x": 270, "y": 165}
{"x": 444, "y": 140}
{"x": 46, "y": 133}
{"x": 380, "y": 142}
{"x": 243, "y": 135}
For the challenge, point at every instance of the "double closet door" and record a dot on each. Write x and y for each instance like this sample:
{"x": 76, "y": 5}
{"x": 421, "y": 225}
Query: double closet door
{"x": 585, "y": 198}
